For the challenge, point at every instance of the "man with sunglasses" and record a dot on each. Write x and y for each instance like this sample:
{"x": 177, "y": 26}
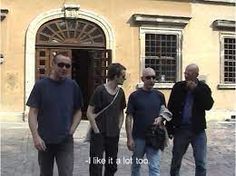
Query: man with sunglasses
{"x": 143, "y": 110}
{"x": 188, "y": 102}
{"x": 55, "y": 112}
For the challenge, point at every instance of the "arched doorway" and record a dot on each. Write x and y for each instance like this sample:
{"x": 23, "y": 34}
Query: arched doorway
{"x": 82, "y": 40}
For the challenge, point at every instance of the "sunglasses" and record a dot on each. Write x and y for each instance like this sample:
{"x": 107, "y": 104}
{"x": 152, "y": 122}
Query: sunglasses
{"x": 150, "y": 77}
{"x": 61, "y": 65}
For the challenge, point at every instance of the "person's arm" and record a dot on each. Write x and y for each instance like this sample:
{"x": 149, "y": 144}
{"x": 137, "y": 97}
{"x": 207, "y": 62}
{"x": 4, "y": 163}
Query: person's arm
{"x": 123, "y": 105}
{"x": 121, "y": 119}
{"x": 76, "y": 120}
{"x": 165, "y": 113}
{"x": 91, "y": 117}
{"x": 203, "y": 97}
{"x": 172, "y": 104}
{"x": 173, "y": 96}
{"x": 160, "y": 119}
{"x": 129, "y": 128}
{"x": 33, "y": 125}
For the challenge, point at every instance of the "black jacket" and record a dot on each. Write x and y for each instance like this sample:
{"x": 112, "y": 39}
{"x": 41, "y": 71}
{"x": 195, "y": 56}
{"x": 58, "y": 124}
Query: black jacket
{"x": 202, "y": 101}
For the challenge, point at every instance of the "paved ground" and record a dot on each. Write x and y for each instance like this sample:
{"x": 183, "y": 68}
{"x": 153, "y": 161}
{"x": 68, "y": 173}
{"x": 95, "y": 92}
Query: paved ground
{"x": 19, "y": 158}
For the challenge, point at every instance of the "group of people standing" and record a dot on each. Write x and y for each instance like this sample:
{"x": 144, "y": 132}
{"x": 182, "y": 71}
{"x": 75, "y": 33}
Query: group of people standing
{"x": 55, "y": 112}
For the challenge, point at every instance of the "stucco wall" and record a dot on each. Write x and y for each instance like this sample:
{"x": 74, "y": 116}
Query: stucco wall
{"x": 202, "y": 46}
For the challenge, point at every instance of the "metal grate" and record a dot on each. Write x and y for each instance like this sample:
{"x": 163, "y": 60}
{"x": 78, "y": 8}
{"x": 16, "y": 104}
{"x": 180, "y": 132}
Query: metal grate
{"x": 229, "y": 60}
{"x": 161, "y": 55}
{"x": 66, "y": 32}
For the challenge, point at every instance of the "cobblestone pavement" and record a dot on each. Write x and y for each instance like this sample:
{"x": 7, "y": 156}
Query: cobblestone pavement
{"x": 19, "y": 158}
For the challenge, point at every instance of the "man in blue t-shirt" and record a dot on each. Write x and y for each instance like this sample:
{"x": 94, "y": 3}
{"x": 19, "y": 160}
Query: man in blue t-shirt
{"x": 55, "y": 112}
{"x": 143, "y": 110}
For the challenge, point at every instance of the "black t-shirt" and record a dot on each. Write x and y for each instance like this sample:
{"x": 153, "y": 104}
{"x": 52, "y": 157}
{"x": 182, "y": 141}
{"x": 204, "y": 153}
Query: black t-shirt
{"x": 108, "y": 121}
{"x": 145, "y": 107}
{"x": 57, "y": 101}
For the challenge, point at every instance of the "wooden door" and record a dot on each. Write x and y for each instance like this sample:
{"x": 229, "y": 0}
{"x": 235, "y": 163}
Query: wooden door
{"x": 100, "y": 60}
{"x": 42, "y": 63}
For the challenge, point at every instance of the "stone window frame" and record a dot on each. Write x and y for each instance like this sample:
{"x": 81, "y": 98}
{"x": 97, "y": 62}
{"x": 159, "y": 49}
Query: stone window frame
{"x": 159, "y": 30}
{"x": 222, "y": 84}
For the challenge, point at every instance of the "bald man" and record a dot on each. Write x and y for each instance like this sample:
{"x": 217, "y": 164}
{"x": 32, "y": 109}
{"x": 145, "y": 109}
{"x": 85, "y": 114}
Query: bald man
{"x": 143, "y": 110}
{"x": 188, "y": 102}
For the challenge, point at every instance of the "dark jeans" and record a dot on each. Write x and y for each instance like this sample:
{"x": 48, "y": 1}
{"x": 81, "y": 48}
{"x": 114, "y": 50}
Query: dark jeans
{"x": 64, "y": 155}
{"x": 98, "y": 145}
{"x": 182, "y": 139}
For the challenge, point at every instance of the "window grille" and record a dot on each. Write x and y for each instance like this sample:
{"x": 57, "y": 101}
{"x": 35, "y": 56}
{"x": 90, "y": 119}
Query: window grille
{"x": 71, "y": 33}
{"x": 161, "y": 55}
{"x": 229, "y": 60}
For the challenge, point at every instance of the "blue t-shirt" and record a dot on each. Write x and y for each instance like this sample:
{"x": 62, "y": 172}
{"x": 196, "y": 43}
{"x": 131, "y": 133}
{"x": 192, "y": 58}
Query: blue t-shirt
{"x": 145, "y": 107}
{"x": 57, "y": 101}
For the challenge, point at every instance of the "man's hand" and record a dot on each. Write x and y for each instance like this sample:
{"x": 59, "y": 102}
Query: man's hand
{"x": 191, "y": 85}
{"x": 33, "y": 123}
{"x": 39, "y": 143}
{"x": 158, "y": 121}
{"x": 95, "y": 127}
{"x": 92, "y": 116}
{"x": 130, "y": 144}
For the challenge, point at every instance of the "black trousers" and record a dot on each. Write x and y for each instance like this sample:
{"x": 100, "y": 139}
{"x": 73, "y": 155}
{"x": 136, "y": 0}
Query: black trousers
{"x": 100, "y": 144}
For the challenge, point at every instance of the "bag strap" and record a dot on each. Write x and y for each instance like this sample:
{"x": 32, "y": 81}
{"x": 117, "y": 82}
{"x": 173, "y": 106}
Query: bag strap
{"x": 109, "y": 104}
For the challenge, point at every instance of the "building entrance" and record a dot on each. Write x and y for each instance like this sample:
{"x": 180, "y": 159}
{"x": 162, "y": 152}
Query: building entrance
{"x": 89, "y": 69}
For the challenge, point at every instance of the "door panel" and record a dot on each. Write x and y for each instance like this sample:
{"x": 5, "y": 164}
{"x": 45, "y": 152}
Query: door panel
{"x": 100, "y": 60}
{"x": 42, "y": 63}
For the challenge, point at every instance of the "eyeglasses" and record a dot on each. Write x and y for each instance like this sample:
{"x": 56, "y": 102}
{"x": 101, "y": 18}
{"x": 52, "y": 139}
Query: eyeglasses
{"x": 149, "y": 77}
{"x": 62, "y": 64}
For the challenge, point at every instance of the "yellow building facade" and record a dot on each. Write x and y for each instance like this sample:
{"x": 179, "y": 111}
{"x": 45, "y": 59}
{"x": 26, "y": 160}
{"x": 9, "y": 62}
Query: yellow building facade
{"x": 165, "y": 35}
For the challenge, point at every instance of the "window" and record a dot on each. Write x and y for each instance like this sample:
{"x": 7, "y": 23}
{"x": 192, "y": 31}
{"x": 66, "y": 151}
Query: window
{"x": 221, "y": 1}
{"x": 228, "y": 59}
{"x": 161, "y": 54}
{"x": 160, "y": 50}
{"x": 160, "y": 44}
{"x": 71, "y": 32}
